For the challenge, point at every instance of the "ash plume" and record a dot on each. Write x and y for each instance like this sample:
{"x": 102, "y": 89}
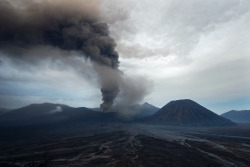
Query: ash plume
{"x": 65, "y": 25}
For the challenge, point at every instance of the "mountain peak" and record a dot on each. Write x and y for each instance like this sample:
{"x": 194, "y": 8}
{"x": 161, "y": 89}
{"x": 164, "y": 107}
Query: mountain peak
{"x": 187, "y": 111}
{"x": 146, "y": 104}
{"x": 182, "y": 101}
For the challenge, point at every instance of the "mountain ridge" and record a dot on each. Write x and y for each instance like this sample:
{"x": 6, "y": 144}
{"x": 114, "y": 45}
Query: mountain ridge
{"x": 178, "y": 112}
{"x": 237, "y": 115}
{"x": 47, "y": 113}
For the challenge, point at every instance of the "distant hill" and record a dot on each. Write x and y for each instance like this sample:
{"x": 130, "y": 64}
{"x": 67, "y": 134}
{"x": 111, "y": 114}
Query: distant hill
{"x": 34, "y": 114}
{"x": 34, "y": 110}
{"x": 187, "y": 112}
{"x": 237, "y": 116}
{"x": 48, "y": 113}
{"x": 147, "y": 109}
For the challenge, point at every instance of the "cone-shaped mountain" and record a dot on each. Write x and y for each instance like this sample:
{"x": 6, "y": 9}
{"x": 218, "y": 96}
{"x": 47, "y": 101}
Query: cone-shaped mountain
{"x": 188, "y": 112}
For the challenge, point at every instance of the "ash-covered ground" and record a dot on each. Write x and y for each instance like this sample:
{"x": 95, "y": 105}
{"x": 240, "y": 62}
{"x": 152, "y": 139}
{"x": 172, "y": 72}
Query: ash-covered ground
{"x": 124, "y": 145}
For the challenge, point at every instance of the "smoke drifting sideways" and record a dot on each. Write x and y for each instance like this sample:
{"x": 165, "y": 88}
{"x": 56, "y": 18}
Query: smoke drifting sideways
{"x": 67, "y": 26}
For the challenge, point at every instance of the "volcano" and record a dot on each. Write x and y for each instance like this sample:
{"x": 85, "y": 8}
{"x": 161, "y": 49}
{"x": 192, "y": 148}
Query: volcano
{"x": 188, "y": 112}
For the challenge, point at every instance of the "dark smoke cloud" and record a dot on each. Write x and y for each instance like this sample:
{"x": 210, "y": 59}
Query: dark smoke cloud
{"x": 65, "y": 25}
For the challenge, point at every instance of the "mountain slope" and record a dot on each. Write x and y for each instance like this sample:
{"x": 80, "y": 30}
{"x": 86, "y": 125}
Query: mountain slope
{"x": 34, "y": 110}
{"x": 237, "y": 116}
{"x": 188, "y": 112}
{"x": 34, "y": 114}
{"x": 3, "y": 110}
{"x": 147, "y": 109}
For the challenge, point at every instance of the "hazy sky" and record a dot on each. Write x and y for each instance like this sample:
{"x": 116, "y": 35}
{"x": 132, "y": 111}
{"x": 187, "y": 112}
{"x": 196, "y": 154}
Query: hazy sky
{"x": 194, "y": 49}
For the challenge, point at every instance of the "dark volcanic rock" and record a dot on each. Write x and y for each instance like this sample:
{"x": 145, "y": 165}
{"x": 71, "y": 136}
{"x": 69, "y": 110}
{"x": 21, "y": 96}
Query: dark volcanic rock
{"x": 188, "y": 112}
{"x": 107, "y": 146}
{"x": 237, "y": 116}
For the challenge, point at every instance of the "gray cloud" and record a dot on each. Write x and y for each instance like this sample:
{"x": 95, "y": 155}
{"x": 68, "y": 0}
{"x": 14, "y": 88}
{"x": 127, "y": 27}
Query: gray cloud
{"x": 68, "y": 26}
{"x": 168, "y": 27}
{"x": 71, "y": 31}
{"x": 190, "y": 49}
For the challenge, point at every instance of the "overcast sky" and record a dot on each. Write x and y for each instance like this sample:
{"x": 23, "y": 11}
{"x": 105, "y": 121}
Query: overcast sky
{"x": 192, "y": 49}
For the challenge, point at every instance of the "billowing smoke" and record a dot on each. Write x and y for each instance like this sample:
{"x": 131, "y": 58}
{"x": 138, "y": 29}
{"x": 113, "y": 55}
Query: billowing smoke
{"x": 66, "y": 25}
